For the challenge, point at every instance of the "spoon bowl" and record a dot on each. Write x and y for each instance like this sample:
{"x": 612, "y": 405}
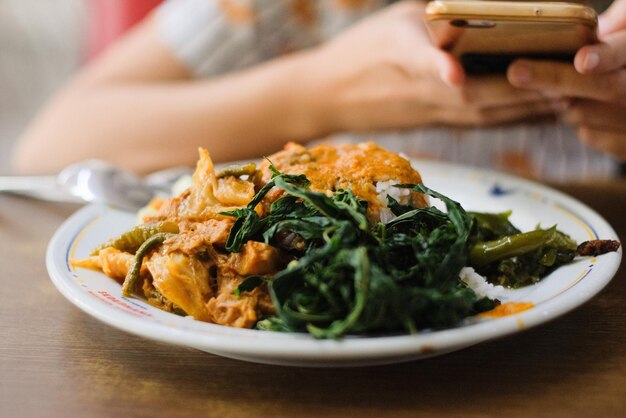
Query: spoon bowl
{"x": 99, "y": 182}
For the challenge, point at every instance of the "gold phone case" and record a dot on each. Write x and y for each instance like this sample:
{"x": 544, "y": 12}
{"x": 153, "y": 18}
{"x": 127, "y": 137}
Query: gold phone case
{"x": 489, "y": 34}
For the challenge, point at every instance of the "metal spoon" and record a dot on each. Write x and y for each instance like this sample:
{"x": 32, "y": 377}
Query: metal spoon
{"x": 96, "y": 181}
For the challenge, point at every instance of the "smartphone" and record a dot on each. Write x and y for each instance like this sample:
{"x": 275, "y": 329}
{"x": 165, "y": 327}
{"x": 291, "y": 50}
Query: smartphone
{"x": 487, "y": 35}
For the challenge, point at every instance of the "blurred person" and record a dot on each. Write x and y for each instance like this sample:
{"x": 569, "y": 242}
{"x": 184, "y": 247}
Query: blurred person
{"x": 242, "y": 77}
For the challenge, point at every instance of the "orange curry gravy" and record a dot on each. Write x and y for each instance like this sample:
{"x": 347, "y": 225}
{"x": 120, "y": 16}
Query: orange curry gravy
{"x": 353, "y": 167}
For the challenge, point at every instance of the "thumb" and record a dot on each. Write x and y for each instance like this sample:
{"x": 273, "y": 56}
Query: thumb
{"x": 450, "y": 70}
{"x": 438, "y": 64}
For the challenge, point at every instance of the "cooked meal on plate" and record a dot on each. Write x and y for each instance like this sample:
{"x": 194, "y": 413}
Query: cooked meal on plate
{"x": 329, "y": 240}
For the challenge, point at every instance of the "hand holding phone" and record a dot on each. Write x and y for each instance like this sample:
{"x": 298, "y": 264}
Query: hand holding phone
{"x": 487, "y": 36}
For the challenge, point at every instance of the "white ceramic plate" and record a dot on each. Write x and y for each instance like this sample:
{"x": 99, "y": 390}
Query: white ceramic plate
{"x": 481, "y": 190}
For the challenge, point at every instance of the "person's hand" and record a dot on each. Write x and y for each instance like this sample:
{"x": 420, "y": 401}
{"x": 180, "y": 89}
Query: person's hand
{"x": 614, "y": 19}
{"x": 384, "y": 73}
{"x": 596, "y": 85}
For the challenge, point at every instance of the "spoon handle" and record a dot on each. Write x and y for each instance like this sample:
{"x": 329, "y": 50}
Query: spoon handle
{"x": 27, "y": 183}
{"x": 37, "y": 187}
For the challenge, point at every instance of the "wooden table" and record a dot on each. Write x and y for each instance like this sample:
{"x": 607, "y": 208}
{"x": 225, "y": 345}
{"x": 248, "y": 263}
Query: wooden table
{"x": 56, "y": 361}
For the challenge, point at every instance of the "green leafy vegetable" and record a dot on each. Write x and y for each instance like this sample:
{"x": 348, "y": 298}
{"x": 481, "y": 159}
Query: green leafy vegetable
{"x": 352, "y": 278}
{"x": 491, "y": 226}
{"x": 522, "y": 259}
{"x": 249, "y": 284}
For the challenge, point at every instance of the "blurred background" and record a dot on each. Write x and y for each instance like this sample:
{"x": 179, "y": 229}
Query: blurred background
{"x": 42, "y": 43}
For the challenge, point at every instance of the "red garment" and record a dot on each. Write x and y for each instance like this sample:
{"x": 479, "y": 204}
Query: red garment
{"x": 110, "y": 18}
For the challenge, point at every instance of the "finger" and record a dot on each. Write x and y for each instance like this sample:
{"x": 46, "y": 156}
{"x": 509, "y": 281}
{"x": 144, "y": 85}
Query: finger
{"x": 555, "y": 78}
{"x": 494, "y": 115}
{"x": 429, "y": 59}
{"x": 489, "y": 91}
{"x": 597, "y": 115}
{"x": 451, "y": 71}
{"x": 612, "y": 19}
{"x": 435, "y": 63}
{"x": 423, "y": 56}
{"x": 611, "y": 142}
{"x": 606, "y": 56}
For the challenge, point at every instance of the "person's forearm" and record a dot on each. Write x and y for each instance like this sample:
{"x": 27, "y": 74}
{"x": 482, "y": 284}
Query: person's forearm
{"x": 146, "y": 126}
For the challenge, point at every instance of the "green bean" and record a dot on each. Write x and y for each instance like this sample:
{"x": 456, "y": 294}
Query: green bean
{"x": 130, "y": 241}
{"x": 487, "y": 252}
{"x": 133, "y": 274}
{"x": 237, "y": 170}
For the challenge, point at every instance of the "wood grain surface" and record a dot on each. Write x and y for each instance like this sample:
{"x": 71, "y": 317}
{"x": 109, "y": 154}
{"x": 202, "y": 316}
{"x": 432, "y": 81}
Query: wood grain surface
{"x": 56, "y": 361}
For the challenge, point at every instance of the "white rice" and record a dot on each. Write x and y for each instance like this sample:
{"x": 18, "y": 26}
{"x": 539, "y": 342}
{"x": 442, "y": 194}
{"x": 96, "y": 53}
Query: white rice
{"x": 384, "y": 189}
{"x": 480, "y": 285}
